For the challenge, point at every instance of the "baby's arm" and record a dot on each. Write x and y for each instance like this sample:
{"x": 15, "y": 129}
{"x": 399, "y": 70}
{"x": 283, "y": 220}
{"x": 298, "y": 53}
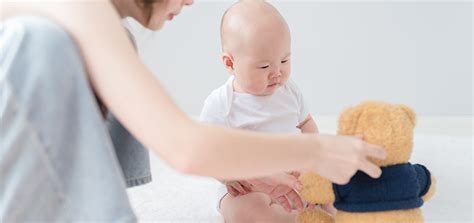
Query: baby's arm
{"x": 308, "y": 125}
{"x": 431, "y": 191}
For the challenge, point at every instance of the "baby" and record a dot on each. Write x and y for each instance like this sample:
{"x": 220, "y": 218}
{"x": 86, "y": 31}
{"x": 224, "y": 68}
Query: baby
{"x": 259, "y": 96}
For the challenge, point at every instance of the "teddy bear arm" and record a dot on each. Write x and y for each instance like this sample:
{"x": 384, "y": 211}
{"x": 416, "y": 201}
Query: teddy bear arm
{"x": 316, "y": 189}
{"x": 431, "y": 190}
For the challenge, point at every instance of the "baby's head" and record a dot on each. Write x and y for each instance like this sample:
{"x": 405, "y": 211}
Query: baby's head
{"x": 256, "y": 47}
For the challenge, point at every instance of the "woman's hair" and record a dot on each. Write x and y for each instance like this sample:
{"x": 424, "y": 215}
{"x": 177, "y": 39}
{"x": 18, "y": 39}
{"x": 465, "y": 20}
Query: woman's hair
{"x": 147, "y": 7}
{"x": 147, "y": 3}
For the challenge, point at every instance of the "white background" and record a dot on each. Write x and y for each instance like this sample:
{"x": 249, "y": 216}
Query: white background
{"x": 413, "y": 52}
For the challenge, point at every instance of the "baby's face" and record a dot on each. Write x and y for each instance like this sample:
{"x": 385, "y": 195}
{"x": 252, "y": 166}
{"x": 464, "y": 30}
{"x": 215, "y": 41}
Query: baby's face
{"x": 262, "y": 64}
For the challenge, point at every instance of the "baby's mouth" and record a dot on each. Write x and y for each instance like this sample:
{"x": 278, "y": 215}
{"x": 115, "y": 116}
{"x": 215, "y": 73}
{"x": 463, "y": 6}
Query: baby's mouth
{"x": 273, "y": 85}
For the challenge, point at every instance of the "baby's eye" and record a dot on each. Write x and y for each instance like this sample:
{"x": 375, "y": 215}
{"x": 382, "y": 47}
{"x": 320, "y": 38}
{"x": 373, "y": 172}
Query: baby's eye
{"x": 284, "y": 61}
{"x": 264, "y": 67}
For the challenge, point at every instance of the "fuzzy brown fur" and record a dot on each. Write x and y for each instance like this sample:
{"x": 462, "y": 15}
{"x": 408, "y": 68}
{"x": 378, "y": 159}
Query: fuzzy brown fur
{"x": 391, "y": 127}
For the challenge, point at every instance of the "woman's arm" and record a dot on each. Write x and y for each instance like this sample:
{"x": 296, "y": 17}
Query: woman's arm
{"x": 117, "y": 75}
{"x": 137, "y": 99}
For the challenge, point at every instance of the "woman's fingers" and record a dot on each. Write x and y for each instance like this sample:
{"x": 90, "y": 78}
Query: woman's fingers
{"x": 368, "y": 167}
{"x": 340, "y": 157}
{"x": 375, "y": 151}
{"x": 362, "y": 151}
{"x": 342, "y": 177}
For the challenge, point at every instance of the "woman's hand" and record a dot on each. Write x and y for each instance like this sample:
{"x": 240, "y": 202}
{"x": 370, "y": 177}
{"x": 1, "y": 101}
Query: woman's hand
{"x": 340, "y": 157}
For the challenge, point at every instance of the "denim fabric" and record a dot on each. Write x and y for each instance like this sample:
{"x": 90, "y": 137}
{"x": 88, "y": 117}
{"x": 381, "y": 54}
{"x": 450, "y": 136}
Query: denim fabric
{"x": 57, "y": 158}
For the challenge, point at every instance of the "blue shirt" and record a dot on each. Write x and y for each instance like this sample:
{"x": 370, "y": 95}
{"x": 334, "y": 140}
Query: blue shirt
{"x": 399, "y": 187}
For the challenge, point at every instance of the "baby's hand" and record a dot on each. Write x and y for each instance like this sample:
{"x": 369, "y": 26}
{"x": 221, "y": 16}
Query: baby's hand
{"x": 236, "y": 188}
{"x": 267, "y": 184}
{"x": 329, "y": 208}
{"x": 282, "y": 188}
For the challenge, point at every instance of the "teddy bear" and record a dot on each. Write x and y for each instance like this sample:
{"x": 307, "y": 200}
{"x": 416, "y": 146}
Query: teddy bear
{"x": 401, "y": 189}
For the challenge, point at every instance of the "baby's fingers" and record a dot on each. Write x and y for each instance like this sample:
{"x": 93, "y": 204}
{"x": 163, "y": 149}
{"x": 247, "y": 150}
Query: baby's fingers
{"x": 296, "y": 200}
{"x": 246, "y": 186}
{"x": 232, "y": 191}
{"x": 237, "y": 186}
{"x": 283, "y": 201}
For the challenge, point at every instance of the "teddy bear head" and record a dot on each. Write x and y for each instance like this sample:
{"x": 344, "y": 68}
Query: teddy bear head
{"x": 387, "y": 125}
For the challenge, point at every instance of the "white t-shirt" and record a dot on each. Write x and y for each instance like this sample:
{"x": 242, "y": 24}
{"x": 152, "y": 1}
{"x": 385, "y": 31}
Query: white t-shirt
{"x": 280, "y": 112}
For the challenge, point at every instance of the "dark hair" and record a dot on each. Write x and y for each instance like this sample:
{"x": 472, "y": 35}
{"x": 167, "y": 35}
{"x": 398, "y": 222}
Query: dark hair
{"x": 147, "y": 7}
{"x": 148, "y": 1}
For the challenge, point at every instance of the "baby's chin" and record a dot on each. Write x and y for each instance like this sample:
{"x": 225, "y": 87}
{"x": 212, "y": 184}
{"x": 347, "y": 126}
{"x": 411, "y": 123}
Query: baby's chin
{"x": 271, "y": 89}
{"x": 268, "y": 90}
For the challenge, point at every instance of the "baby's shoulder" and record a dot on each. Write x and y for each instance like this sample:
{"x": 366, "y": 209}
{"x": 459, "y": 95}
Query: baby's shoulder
{"x": 217, "y": 96}
{"x": 216, "y": 102}
{"x": 292, "y": 87}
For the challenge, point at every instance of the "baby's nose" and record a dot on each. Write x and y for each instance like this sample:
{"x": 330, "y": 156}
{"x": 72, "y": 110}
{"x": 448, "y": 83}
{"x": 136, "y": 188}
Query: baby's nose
{"x": 275, "y": 75}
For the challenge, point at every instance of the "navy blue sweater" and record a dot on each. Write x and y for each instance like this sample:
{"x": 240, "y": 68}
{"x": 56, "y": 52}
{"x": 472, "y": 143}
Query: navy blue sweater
{"x": 399, "y": 187}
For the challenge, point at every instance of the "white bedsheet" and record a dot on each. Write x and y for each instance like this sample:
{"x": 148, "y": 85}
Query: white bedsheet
{"x": 174, "y": 197}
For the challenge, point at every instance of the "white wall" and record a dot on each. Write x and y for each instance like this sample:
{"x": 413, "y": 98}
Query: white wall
{"x": 413, "y": 52}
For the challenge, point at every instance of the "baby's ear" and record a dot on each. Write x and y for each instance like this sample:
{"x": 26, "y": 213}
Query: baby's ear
{"x": 410, "y": 113}
{"x": 228, "y": 61}
{"x": 348, "y": 121}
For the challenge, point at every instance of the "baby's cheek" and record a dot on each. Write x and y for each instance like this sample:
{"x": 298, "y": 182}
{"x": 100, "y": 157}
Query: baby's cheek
{"x": 259, "y": 86}
{"x": 285, "y": 78}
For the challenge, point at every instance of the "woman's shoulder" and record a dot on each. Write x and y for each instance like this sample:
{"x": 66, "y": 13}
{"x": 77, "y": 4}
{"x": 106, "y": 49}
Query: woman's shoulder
{"x": 78, "y": 18}
{"x": 59, "y": 11}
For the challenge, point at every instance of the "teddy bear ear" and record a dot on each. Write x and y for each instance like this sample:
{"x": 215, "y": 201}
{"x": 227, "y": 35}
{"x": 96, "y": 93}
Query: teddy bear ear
{"x": 410, "y": 113}
{"x": 348, "y": 120}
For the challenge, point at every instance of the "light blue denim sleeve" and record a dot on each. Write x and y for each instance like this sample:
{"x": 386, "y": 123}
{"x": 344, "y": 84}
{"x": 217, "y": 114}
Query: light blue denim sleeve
{"x": 133, "y": 157}
{"x": 57, "y": 160}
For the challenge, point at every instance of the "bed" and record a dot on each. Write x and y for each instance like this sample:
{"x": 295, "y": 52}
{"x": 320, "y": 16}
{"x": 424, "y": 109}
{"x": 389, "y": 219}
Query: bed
{"x": 443, "y": 144}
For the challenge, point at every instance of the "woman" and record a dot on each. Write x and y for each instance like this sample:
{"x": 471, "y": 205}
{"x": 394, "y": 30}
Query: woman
{"x": 57, "y": 159}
